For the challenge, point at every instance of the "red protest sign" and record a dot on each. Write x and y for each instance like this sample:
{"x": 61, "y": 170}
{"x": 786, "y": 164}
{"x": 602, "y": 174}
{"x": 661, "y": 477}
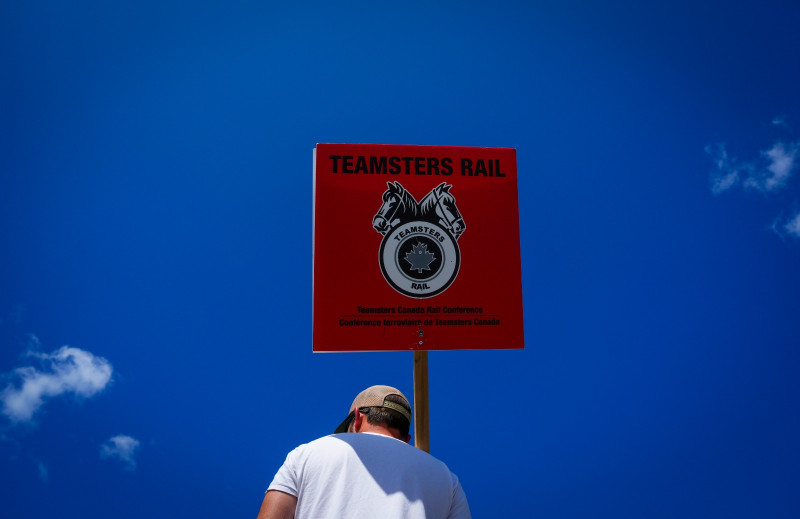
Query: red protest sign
{"x": 416, "y": 248}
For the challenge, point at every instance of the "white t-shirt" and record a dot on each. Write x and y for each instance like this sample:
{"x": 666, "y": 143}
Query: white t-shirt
{"x": 369, "y": 475}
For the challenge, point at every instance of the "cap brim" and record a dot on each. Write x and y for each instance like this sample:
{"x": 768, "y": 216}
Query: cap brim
{"x": 343, "y": 426}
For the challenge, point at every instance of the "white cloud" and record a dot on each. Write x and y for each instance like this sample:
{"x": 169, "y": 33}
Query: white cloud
{"x": 726, "y": 175}
{"x": 780, "y": 121}
{"x": 722, "y": 183}
{"x": 780, "y": 164}
{"x": 44, "y": 474}
{"x": 770, "y": 173}
{"x": 793, "y": 225}
{"x": 121, "y": 447}
{"x": 767, "y": 174}
{"x": 66, "y": 370}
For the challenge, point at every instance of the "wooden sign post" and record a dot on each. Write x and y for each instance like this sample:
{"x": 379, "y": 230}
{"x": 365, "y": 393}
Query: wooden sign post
{"x": 416, "y": 248}
{"x": 421, "y": 423}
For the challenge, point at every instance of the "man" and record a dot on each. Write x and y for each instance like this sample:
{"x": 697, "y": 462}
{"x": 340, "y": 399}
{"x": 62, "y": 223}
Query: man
{"x": 374, "y": 473}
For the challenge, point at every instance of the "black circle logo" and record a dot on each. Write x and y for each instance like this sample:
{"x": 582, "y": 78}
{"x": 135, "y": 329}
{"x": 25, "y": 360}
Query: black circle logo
{"x": 419, "y": 259}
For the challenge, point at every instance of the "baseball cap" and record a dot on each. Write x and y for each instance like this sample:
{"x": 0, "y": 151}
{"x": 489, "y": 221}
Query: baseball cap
{"x": 375, "y": 396}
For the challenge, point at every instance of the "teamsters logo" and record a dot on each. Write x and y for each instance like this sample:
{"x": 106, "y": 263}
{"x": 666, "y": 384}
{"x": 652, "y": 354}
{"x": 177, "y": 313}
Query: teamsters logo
{"x": 419, "y": 255}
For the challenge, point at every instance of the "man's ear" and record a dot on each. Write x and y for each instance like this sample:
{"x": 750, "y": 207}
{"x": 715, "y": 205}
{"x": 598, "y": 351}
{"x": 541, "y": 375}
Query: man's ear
{"x": 358, "y": 420}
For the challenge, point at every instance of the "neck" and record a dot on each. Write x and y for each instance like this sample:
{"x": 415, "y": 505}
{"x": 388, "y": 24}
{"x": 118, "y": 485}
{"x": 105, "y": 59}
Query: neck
{"x": 382, "y": 429}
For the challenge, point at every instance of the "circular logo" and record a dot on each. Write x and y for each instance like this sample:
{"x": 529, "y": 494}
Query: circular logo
{"x": 419, "y": 259}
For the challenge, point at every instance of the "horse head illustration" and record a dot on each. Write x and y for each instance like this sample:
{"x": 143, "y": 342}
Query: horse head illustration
{"x": 397, "y": 204}
{"x": 443, "y": 205}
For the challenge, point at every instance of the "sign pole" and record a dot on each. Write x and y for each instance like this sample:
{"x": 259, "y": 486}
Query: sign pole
{"x": 421, "y": 424}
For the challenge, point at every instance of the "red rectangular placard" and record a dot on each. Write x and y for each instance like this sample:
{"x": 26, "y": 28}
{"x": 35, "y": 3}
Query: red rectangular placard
{"x": 416, "y": 248}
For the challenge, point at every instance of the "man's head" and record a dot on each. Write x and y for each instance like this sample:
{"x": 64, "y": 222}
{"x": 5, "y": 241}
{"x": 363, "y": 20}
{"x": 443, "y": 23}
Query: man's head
{"x": 380, "y": 406}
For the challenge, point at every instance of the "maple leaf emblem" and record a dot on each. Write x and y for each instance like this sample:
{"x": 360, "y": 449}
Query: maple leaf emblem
{"x": 420, "y": 258}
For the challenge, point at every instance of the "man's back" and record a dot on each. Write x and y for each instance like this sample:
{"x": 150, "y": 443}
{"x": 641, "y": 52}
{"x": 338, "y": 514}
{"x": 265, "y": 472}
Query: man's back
{"x": 369, "y": 475}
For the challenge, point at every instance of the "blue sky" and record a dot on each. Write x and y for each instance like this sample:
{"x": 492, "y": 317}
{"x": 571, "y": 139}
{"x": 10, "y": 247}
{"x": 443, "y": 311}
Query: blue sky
{"x": 155, "y": 229}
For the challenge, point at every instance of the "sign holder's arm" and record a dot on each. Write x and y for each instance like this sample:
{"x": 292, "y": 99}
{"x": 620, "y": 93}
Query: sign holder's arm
{"x": 421, "y": 425}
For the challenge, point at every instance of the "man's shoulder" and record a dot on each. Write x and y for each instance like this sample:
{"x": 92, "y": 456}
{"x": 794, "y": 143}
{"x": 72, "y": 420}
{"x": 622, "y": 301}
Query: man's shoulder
{"x": 389, "y": 448}
{"x": 353, "y": 441}
{"x": 328, "y": 443}
{"x": 370, "y": 444}
{"x": 315, "y": 444}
